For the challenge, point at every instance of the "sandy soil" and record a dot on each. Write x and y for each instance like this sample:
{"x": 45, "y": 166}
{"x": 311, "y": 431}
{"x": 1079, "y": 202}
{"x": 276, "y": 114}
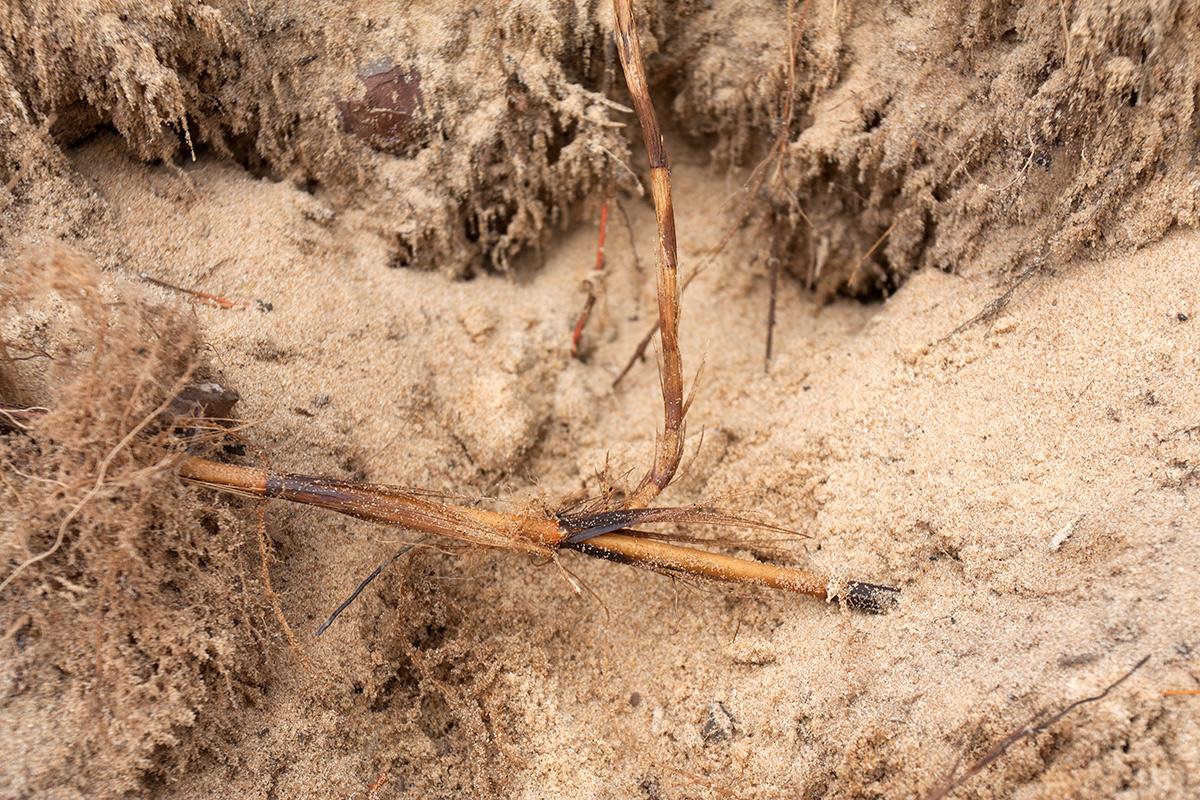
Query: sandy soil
{"x": 1030, "y": 481}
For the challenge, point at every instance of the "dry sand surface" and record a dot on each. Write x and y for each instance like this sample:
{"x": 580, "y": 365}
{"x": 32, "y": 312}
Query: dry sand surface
{"x": 1030, "y": 480}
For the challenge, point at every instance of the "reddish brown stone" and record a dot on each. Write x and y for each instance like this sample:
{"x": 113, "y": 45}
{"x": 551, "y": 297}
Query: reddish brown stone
{"x": 391, "y": 115}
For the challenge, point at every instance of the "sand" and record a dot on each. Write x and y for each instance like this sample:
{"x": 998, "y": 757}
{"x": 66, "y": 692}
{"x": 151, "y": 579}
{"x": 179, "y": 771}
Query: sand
{"x": 1029, "y": 480}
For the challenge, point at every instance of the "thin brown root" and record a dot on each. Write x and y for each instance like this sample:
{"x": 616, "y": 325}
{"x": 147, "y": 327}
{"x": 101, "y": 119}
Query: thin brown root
{"x": 272, "y": 597}
{"x": 365, "y": 583}
{"x": 1035, "y": 724}
{"x": 567, "y": 575}
{"x": 993, "y": 309}
{"x": 605, "y": 194}
{"x": 874, "y": 247}
{"x": 206, "y": 299}
{"x": 773, "y": 266}
{"x": 98, "y": 485}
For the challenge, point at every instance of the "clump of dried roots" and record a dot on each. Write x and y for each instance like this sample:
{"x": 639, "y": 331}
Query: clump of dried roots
{"x": 130, "y": 611}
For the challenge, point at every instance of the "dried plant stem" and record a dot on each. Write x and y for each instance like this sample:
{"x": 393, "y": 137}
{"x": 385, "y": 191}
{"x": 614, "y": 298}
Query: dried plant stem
{"x": 758, "y": 178}
{"x": 603, "y": 535}
{"x": 610, "y": 533}
{"x": 389, "y": 505}
{"x": 670, "y": 447}
{"x": 671, "y": 558}
{"x": 774, "y": 163}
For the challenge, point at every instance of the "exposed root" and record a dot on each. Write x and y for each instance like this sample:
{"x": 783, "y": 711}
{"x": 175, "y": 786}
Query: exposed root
{"x": 100, "y": 543}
